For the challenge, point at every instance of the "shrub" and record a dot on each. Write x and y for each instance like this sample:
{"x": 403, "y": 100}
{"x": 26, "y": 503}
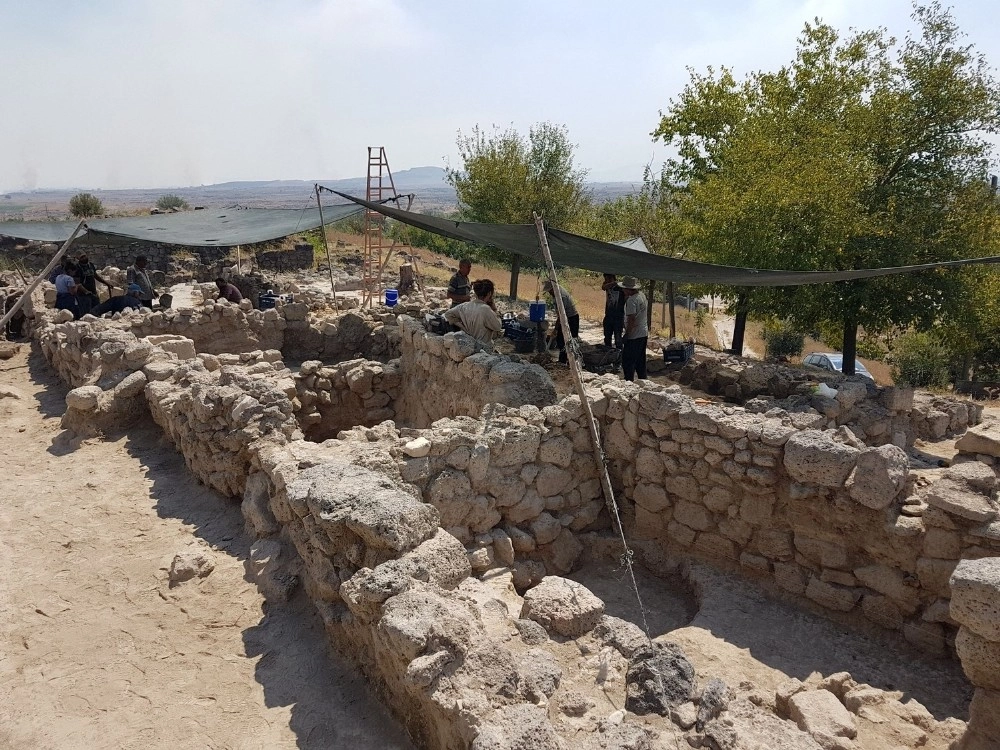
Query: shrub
{"x": 167, "y": 202}
{"x": 83, "y": 205}
{"x": 870, "y": 348}
{"x": 782, "y": 339}
{"x": 919, "y": 360}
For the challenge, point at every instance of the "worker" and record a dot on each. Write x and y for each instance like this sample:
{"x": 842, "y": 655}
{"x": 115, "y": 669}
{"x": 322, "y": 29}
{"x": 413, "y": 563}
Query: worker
{"x": 128, "y": 301}
{"x": 89, "y": 276}
{"x": 614, "y": 311}
{"x": 459, "y": 287}
{"x": 137, "y": 274}
{"x": 66, "y": 290}
{"x": 636, "y": 330}
{"x": 478, "y": 317}
{"x": 571, "y": 314}
{"x": 228, "y": 291}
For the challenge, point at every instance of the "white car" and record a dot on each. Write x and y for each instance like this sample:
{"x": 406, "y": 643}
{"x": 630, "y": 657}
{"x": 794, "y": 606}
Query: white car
{"x": 834, "y": 361}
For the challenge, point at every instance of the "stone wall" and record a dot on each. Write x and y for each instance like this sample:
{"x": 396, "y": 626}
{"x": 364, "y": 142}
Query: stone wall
{"x": 338, "y": 397}
{"x": 875, "y": 414}
{"x": 469, "y": 662}
{"x": 449, "y": 376}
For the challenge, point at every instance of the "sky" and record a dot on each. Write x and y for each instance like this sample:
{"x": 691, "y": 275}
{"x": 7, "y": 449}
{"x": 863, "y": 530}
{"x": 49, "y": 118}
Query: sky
{"x": 131, "y": 93}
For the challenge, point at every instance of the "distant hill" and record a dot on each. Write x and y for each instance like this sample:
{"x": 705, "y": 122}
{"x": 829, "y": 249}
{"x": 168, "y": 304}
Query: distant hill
{"x": 432, "y": 192}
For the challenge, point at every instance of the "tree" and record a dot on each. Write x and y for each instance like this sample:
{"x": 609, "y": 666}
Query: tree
{"x": 167, "y": 202}
{"x": 505, "y": 178}
{"x": 859, "y": 153}
{"x": 83, "y": 205}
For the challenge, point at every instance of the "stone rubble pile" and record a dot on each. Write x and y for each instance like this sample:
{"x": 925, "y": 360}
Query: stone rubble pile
{"x": 876, "y": 415}
{"x": 332, "y": 398}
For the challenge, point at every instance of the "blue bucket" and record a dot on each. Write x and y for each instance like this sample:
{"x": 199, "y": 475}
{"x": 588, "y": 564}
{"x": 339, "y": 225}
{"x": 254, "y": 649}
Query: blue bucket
{"x": 536, "y": 312}
{"x": 391, "y": 297}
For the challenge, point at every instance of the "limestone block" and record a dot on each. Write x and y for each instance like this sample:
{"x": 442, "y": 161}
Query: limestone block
{"x": 292, "y": 311}
{"x": 684, "y": 487}
{"x": 827, "y": 553}
{"x": 831, "y": 596}
{"x": 84, "y": 398}
{"x": 417, "y": 448}
{"x": 558, "y": 451}
{"x": 503, "y": 547}
{"x": 984, "y": 721}
{"x": 545, "y": 528}
{"x": 980, "y": 658}
{"x": 775, "y": 544}
{"x": 976, "y": 475}
{"x": 131, "y": 386}
{"x": 882, "y": 611}
{"x": 552, "y": 480}
{"x": 651, "y": 497}
{"x": 957, "y": 499}
{"x": 850, "y": 393}
{"x": 927, "y": 636}
{"x": 975, "y": 596}
{"x": 983, "y": 438}
{"x": 941, "y": 543}
{"x": 891, "y": 582}
{"x": 714, "y": 545}
{"x": 562, "y": 606}
{"x": 683, "y": 535}
{"x": 935, "y": 573}
{"x": 755, "y": 563}
{"x": 757, "y": 509}
{"x": 530, "y": 505}
{"x": 562, "y": 554}
{"x": 821, "y": 715}
{"x": 879, "y": 476}
{"x": 693, "y": 515}
{"x": 813, "y": 457}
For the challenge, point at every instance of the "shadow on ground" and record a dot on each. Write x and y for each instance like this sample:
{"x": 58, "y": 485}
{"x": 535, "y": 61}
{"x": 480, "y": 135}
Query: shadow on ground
{"x": 331, "y": 705}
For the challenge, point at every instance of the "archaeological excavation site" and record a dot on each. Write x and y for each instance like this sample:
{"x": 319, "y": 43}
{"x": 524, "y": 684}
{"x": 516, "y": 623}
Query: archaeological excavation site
{"x": 722, "y": 556}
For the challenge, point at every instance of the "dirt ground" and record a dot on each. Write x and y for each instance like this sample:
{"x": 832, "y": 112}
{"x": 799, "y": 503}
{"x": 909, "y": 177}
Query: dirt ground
{"x": 98, "y": 651}
{"x": 731, "y": 630}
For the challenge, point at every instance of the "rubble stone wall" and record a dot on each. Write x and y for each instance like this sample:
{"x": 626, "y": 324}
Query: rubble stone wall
{"x": 449, "y": 376}
{"x": 338, "y": 397}
{"x": 877, "y": 415}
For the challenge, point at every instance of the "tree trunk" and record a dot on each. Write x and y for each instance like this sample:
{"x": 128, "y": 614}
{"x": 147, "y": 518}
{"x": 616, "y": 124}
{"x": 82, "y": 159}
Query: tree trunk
{"x": 649, "y": 304}
{"x": 670, "y": 303}
{"x": 515, "y": 271}
{"x": 740, "y": 324}
{"x": 850, "y": 344}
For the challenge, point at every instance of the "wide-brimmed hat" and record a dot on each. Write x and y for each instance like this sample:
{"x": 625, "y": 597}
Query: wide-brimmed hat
{"x": 629, "y": 282}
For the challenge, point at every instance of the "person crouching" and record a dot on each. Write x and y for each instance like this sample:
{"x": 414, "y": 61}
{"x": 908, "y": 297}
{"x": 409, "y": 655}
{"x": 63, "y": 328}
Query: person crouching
{"x": 478, "y": 317}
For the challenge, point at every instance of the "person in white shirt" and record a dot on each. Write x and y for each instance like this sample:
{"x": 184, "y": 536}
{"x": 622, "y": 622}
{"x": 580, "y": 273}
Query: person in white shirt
{"x": 636, "y": 330}
{"x": 477, "y": 317}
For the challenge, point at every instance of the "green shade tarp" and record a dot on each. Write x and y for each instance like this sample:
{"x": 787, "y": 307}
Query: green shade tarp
{"x": 205, "y": 228}
{"x": 574, "y": 251}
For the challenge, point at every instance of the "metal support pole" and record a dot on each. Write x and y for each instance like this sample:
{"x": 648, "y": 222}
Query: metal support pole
{"x": 326, "y": 244}
{"x": 43, "y": 275}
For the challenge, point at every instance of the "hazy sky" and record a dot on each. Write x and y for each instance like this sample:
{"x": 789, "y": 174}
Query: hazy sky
{"x": 133, "y": 93}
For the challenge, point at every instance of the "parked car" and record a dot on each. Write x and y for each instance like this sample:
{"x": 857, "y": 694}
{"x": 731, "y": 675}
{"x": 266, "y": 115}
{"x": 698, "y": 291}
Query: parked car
{"x": 834, "y": 362}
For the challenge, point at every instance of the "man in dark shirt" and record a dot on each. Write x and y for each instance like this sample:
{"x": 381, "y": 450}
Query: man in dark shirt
{"x": 228, "y": 291}
{"x": 129, "y": 300}
{"x": 459, "y": 288}
{"x": 88, "y": 276}
{"x": 614, "y": 311}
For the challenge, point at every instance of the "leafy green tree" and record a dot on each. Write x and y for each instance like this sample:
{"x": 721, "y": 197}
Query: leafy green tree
{"x": 859, "y": 153}
{"x": 83, "y": 205}
{"x": 167, "y": 202}
{"x": 505, "y": 177}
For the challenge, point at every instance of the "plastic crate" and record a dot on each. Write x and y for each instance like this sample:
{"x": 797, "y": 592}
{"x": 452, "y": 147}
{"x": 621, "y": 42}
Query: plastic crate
{"x": 517, "y": 332}
{"x": 674, "y": 356}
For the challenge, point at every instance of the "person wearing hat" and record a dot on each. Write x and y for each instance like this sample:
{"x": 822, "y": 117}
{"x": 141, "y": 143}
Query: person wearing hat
{"x": 571, "y": 314}
{"x": 128, "y": 301}
{"x": 636, "y": 330}
{"x": 614, "y": 311}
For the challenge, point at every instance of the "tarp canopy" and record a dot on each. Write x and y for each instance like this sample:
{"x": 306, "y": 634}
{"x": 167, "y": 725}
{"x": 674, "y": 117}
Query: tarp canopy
{"x": 604, "y": 257}
{"x": 204, "y": 228}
